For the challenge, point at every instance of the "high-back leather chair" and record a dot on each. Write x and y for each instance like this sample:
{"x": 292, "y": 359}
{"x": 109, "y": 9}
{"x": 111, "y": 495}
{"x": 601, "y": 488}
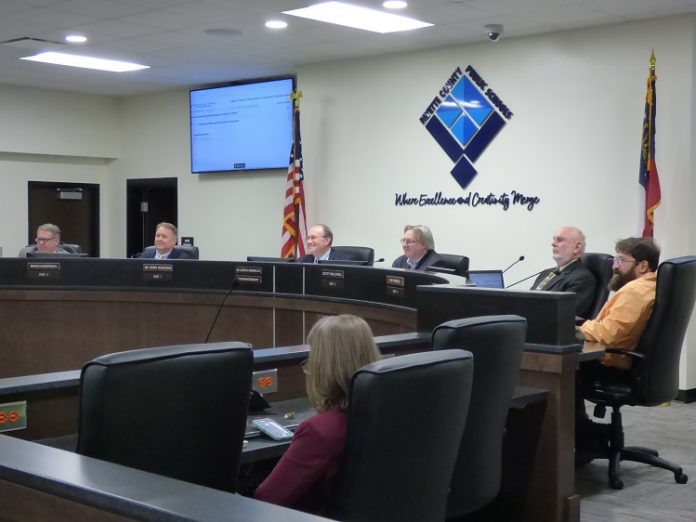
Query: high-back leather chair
{"x": 496, "y": 343}
{"x": 178, "y": 411}
{"x": 601, "y": 267}
{"x": 459, "y": 265}
{"x": 405, "y": 421}
{"x": 654, "y": 375}
{"x": 72, "y": 248}
{"x": 359, "y": 253}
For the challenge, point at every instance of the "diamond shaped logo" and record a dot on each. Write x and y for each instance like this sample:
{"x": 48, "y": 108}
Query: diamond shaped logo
{"x": 464, "y": 119}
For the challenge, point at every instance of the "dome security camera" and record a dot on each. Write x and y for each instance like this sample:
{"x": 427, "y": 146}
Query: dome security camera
{"x": 494, "y": 31}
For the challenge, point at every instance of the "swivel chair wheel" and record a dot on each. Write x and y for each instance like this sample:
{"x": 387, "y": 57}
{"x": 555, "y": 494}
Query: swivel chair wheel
{"x": 616, "y": 483}
{"x": 682, "y": 478}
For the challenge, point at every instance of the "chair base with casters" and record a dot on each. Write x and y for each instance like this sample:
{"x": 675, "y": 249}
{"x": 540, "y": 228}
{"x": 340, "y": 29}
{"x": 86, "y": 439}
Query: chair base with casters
{"x": 615, "y": 395}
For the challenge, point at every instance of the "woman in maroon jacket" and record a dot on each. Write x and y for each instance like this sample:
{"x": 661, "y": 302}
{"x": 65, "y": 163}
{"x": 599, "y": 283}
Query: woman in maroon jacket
{"x": 302, "y": 479}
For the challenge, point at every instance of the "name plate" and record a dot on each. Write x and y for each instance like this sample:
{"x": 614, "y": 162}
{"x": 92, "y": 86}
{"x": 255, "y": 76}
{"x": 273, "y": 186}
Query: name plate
{"x": 395, "y": 291}
{"x": 43, "y": 270}
{"x": 248, "y": 274}
{"x": 332, "y": 273}
{"x": 158, "y": 272}
{"x": 333, "y": 284}
{"x": 393, "y": 280}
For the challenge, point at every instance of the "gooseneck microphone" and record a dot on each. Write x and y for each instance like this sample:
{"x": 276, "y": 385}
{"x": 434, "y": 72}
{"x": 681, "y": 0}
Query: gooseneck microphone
{"x": 521, "y": 258}
{"x": 380, "y": 260}
{"x": 525, "y": 279}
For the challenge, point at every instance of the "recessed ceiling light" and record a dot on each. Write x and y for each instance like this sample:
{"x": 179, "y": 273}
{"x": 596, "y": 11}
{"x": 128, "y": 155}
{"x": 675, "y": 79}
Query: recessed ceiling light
{"x": 75, "y": 38}
{"x": 276, "y": 24}
{"x": 394, "y": 4}
{"x": 358, "y": 17}
{"x": 86, "y": 62}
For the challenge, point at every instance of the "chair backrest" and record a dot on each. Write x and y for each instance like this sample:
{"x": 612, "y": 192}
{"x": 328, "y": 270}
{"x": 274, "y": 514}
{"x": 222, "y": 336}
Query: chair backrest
{"x": 178, "y": 411}
{"x": 359, "y": 253}
{"x": 405, "y": 421}
{"x": 496, "y": 342}
{"x": 601, "y": 267}
{"x": 459, "y": 264}
{"x": 656, "y": 378}
{"x": 73, "y": 248}
{"x": 190, "y": 250}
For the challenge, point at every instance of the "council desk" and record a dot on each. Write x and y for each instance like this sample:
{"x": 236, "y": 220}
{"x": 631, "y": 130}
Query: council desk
{"x": 57, "y": 314}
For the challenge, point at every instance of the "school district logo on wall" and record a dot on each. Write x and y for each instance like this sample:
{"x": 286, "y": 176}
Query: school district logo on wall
{"x": 464, "y": 118}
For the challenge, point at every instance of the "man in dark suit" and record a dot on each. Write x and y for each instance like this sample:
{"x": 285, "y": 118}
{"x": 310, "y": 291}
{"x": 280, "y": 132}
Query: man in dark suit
{"x": 419, "y": 249}
{"x": 569, "y": 274}
{"x": 319, "y": 241}
{"x": 166, "y": 236}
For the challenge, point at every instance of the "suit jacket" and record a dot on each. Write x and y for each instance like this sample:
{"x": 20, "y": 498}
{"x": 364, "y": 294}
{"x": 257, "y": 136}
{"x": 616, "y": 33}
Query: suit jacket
{"x": 333, "y": 256}
{"x": 429, "y": 259}
{"x": 176, "y": 253}
{"x": 573, "y": 278}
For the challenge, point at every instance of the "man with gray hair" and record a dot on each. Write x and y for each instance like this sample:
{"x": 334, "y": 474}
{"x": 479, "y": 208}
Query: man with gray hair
{"x": 47, "y": 241}
{"x": 569, "y": 274}
{"x": 419, "y": 249}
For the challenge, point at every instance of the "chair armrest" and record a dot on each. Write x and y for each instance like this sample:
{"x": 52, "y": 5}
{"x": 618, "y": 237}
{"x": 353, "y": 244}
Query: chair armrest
{"x": 629, "y": 353}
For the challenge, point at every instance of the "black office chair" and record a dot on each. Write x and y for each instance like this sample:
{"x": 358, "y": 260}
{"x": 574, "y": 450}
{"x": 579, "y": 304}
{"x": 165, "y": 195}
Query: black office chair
{"x": 601, "y": 267}
{"x": 458, "y": 264}
{"x": 496, "y": 342}
{"x": 72, "y": 248}
{"x": 358, "y": 253}
{"x": 654, "y": 375}
{"x": 190, "y": 251}
{"x": 178, "y": 411}
{"x": 405, "y": 421}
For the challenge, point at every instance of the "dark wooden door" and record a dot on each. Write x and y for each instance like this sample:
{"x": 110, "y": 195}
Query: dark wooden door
{"x": 73, "y": 207}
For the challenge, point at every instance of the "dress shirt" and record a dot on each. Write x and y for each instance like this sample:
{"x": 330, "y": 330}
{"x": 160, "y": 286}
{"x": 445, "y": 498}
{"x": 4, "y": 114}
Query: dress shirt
{"x": 622, "y": 320}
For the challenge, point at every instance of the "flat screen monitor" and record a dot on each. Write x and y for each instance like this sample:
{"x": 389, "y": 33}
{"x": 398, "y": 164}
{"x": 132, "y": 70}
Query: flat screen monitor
{"x": 61, "y": 254}
{"x": 263, "y": 259}
{"x": 487, "y": 278}
{"x": 352, "y": 262}
{"x": 243, "y": 126}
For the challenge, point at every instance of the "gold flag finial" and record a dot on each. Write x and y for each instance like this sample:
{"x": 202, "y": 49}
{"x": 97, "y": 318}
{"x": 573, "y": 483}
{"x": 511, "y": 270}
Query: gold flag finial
{"x": 653, "y": 60}
{"x": 295, "y": 97}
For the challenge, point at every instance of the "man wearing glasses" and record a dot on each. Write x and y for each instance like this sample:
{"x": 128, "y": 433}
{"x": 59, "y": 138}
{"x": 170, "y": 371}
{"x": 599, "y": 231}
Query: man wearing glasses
{"x": 419, "y": 249}
{"x": 319, "y": 241}
{"x": 47, "y": 241}
{"x": 619, "y": 324}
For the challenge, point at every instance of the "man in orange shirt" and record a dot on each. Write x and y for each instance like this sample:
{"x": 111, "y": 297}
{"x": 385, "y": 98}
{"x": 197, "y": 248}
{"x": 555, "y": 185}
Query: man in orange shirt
{"x": 619, "y": 324}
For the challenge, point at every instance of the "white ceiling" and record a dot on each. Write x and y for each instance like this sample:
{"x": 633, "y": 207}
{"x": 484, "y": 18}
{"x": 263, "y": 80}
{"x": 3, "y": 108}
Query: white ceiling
{"x": 197, "y": 42}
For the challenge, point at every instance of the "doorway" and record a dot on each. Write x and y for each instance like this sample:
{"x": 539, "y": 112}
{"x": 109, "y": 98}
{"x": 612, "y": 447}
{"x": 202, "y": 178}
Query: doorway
{"x": 148, "y": 202}
{"x": 73, "y": 207}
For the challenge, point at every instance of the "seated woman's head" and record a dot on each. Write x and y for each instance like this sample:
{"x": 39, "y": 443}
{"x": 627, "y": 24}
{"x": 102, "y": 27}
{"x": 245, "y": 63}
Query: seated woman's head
{"x": 339, "y": 345}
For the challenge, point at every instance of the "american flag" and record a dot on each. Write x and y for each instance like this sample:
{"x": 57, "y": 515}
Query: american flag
{"x": 294, "y": 221}
{"x": 648, "y": 177}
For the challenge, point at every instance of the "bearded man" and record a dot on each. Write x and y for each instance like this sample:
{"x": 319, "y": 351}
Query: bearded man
{"x": 619, "y": 324}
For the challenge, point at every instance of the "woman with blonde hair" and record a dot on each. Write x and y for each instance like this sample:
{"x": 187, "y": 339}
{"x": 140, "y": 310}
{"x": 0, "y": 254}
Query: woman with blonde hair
{"x": 302, "y": 479}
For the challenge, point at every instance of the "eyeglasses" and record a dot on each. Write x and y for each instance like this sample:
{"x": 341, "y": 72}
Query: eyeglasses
{"x": 405, "y": 241}
{"x": 620, "y": 260}
{"x": 44, "y": 239}
{"x": 312, "y": 238}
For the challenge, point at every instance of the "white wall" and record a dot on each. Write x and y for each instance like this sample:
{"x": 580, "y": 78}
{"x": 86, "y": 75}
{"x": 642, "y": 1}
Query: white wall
{"x": 577, "y": 99}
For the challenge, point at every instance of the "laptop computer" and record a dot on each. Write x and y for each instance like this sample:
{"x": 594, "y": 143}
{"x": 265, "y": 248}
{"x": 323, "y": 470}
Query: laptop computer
{"x": 487, "y": 278}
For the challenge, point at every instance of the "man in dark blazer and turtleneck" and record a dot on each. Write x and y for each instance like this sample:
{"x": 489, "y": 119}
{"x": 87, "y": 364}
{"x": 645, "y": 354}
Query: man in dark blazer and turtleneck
{"x": 419, "y": 249}
{"x": 569, "y": 274}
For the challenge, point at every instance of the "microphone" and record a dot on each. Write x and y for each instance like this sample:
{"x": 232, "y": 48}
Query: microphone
{"x": 380, "y": 260}
{"x": 525, "y": 279}
{"x": 521, "y": 258}
{"x": 233, "y": 286}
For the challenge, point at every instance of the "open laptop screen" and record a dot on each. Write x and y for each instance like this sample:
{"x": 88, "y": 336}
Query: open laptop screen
{"x": 487, "y": 278}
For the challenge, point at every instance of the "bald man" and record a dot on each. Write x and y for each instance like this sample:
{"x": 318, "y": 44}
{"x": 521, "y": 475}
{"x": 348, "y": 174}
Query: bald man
{"x": 569, "y": 275}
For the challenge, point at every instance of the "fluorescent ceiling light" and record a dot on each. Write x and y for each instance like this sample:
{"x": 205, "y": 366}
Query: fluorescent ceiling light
{"x": 75, "y": 38}
{"x": 394, "y": 4}
{"x": 276, "y": 24}
{"x": 86, "y": 62}
{"x": 358, "y": 17}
